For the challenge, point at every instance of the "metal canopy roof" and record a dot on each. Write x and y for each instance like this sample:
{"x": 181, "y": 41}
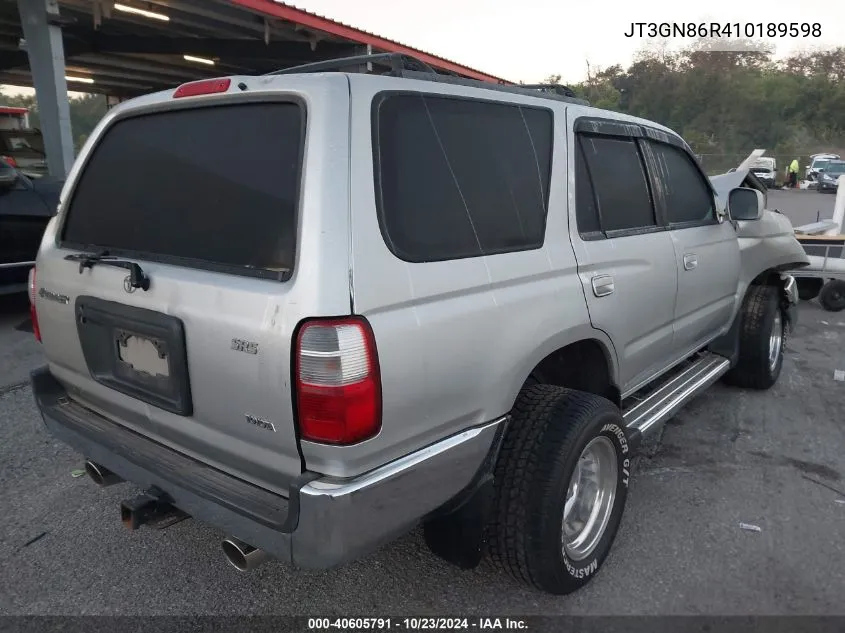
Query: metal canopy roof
{"x": 125, "y": 53}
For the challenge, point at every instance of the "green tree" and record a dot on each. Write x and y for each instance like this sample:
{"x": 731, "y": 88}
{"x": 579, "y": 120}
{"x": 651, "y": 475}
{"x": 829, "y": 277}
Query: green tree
{"x": 728, "y": 103}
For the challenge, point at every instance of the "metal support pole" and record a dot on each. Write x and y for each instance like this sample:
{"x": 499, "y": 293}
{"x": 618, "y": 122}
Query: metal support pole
{"x": 45, "y": 48}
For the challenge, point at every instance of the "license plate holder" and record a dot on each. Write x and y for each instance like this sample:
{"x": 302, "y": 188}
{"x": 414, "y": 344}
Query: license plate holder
{"x": 138, "y": 352}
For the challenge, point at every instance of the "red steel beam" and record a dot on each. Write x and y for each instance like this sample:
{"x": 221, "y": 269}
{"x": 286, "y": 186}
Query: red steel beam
{"x": 319, "y": 23}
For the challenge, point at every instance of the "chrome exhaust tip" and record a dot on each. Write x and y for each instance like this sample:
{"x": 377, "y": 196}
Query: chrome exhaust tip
{"x": 101, "y": 475}
{"x": 242, "y": 556}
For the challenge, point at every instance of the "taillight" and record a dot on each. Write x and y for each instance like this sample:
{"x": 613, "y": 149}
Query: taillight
{"x": 338, "y": 386}
{"x": 204, "y": 87}
{"x": 10, "y": 160}
{"x": 33, "y": 314}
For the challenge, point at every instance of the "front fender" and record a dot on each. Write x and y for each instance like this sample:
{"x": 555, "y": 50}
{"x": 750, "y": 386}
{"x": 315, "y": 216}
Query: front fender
{"x": 767, "y": 245}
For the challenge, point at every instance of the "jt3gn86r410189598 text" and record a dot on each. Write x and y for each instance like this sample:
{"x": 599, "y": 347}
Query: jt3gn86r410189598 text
{"x": 724, "y": 29}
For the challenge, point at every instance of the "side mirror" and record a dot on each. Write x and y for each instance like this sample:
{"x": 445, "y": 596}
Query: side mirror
{"x": 745, "y": 204}
{"x": 820, "y": 170}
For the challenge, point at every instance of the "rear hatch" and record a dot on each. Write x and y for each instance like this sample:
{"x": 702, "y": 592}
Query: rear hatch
{"x": 208, "y": 195}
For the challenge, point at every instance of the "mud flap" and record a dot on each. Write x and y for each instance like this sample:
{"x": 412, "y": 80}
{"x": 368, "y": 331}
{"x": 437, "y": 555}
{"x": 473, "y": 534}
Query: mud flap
{"x": 458, "y": 537}
{"x": 789, "y": 302}
{"x": 456, "y": 532}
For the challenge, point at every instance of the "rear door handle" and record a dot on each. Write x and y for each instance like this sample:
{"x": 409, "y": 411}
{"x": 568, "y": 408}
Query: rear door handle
{"x": 603, "y": 285}
{"x": 690, "y": 261}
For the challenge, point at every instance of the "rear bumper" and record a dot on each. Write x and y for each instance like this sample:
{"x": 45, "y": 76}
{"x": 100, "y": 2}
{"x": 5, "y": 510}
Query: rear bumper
{"x": 324, "y": 522}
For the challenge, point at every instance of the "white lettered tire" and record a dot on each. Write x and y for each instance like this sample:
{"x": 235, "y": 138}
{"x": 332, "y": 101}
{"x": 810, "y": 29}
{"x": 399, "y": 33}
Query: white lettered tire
{"x": 561, "y": 484}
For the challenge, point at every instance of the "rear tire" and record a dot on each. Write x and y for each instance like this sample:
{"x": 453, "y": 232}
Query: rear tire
{"x": 762, "y": 339}
{"x": 564, "y": 450}
{"x": 832, "y": 295}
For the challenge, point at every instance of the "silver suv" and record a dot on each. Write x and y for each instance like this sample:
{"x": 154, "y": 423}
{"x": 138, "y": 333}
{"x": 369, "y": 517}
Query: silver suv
{"x": 413, "y": 299}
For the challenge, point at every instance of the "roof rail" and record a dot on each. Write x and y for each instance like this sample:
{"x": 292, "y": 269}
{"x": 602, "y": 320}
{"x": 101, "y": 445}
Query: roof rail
{"x": 558, "y": 89}
{"x": 408, "y": 67}
{"x": 395, "y": 62}
{"x": 519, "y": 89}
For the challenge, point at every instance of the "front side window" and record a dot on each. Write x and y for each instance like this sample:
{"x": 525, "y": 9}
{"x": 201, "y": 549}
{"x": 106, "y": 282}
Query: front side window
{"x": 460, "y": 178}
{"x": 618, "y": 178}
{"x": 687, "y": 196}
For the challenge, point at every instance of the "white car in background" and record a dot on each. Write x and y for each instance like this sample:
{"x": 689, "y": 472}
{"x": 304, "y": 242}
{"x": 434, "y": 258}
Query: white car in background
{"x": 818, "y": 161}
{"x": 766, "y": 169}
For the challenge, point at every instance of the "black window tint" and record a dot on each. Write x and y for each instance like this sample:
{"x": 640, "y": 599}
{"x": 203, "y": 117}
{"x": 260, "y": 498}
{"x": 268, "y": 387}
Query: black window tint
{"x": 215, "y": 184}
{"x": 619, "y": 181}
{"x": 459, "y": 178}
{"x": 586, "y": 212}
{"x": 688, "y": 199}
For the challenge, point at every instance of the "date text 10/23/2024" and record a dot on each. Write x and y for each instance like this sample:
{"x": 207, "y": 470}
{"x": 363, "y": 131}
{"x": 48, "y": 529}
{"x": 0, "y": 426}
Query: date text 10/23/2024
{"x": 724, "y": 29}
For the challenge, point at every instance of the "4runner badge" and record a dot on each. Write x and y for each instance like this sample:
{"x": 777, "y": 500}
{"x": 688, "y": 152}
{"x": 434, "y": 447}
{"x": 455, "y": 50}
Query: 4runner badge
{"x": 53, "y": 296}
{"x": 261, "y": 424}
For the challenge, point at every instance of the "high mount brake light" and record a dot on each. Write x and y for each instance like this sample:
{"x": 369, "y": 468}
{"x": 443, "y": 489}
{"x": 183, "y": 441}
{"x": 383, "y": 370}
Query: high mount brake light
{"x": 204, "y": 87}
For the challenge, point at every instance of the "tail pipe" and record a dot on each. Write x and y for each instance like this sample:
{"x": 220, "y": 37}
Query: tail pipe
{"x": 101, "y": 475}
{"x": 242, "y": 556}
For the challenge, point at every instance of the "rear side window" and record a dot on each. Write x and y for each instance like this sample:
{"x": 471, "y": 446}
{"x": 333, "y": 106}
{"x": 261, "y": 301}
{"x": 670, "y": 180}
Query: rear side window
{"x": 688, "y": 198}
{"x": 619, "y": 181}
{"x": 217, "y": 186}
{"x": 460, "y": 178}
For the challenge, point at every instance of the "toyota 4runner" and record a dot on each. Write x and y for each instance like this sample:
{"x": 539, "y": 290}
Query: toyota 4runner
{"x": 416, "y": 299}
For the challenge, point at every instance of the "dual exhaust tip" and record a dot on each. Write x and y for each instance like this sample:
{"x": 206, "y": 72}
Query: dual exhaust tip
{"x": 100, "y": 475}
{"x": 242, "y": 556}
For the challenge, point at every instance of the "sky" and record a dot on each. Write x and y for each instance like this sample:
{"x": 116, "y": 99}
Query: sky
{"x": 529, "y": 40}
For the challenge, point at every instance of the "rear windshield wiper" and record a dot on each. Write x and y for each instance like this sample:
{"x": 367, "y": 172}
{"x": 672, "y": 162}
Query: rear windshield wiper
{"x": 137, "y": 277}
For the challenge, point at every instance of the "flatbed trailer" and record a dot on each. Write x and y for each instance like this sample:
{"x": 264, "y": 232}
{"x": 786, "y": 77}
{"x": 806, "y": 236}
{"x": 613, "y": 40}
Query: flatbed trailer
{"x": 825, "y": 276}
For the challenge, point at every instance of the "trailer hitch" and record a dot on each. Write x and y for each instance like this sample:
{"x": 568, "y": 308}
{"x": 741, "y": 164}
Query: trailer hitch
{"x": 153, "y": 508}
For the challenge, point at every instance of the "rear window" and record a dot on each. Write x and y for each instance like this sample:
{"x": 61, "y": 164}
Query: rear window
{"x": 460, "y": 178}
{"x": 214, "y": 186}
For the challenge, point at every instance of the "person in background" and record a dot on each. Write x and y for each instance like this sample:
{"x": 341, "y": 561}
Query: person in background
{"x": 792, "y": 174}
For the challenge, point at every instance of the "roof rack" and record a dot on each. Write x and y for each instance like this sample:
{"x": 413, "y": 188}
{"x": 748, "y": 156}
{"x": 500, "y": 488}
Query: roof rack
{"x": 396, "y": 63}
{"x": 408, "y": 67}
{"x": 558, "y": 89}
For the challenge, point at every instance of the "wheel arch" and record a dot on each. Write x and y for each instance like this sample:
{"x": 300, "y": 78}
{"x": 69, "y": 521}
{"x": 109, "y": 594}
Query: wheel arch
{"x": 727, "y": 345}
{"x": 583, "y": 359}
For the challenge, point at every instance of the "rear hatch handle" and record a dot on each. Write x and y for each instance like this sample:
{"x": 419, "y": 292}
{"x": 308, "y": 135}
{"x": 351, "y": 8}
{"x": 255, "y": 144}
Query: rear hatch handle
{"x": 136, "y": 279}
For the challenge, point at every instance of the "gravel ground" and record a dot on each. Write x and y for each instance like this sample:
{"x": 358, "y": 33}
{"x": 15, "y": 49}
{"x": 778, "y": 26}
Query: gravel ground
{"x": 773, "y": 459}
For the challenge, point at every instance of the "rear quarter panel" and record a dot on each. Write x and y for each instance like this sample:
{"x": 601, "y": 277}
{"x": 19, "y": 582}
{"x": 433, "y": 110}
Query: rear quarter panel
{"x": 456, "y": 339}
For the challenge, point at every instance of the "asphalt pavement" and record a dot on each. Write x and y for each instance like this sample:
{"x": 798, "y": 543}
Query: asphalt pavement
{"x": 802, "y": 206}
{"x": 773, "y": 460}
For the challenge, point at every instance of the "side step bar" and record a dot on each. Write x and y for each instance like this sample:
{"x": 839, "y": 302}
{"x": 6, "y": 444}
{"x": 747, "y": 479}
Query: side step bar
{"x": 668, "y": 399}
